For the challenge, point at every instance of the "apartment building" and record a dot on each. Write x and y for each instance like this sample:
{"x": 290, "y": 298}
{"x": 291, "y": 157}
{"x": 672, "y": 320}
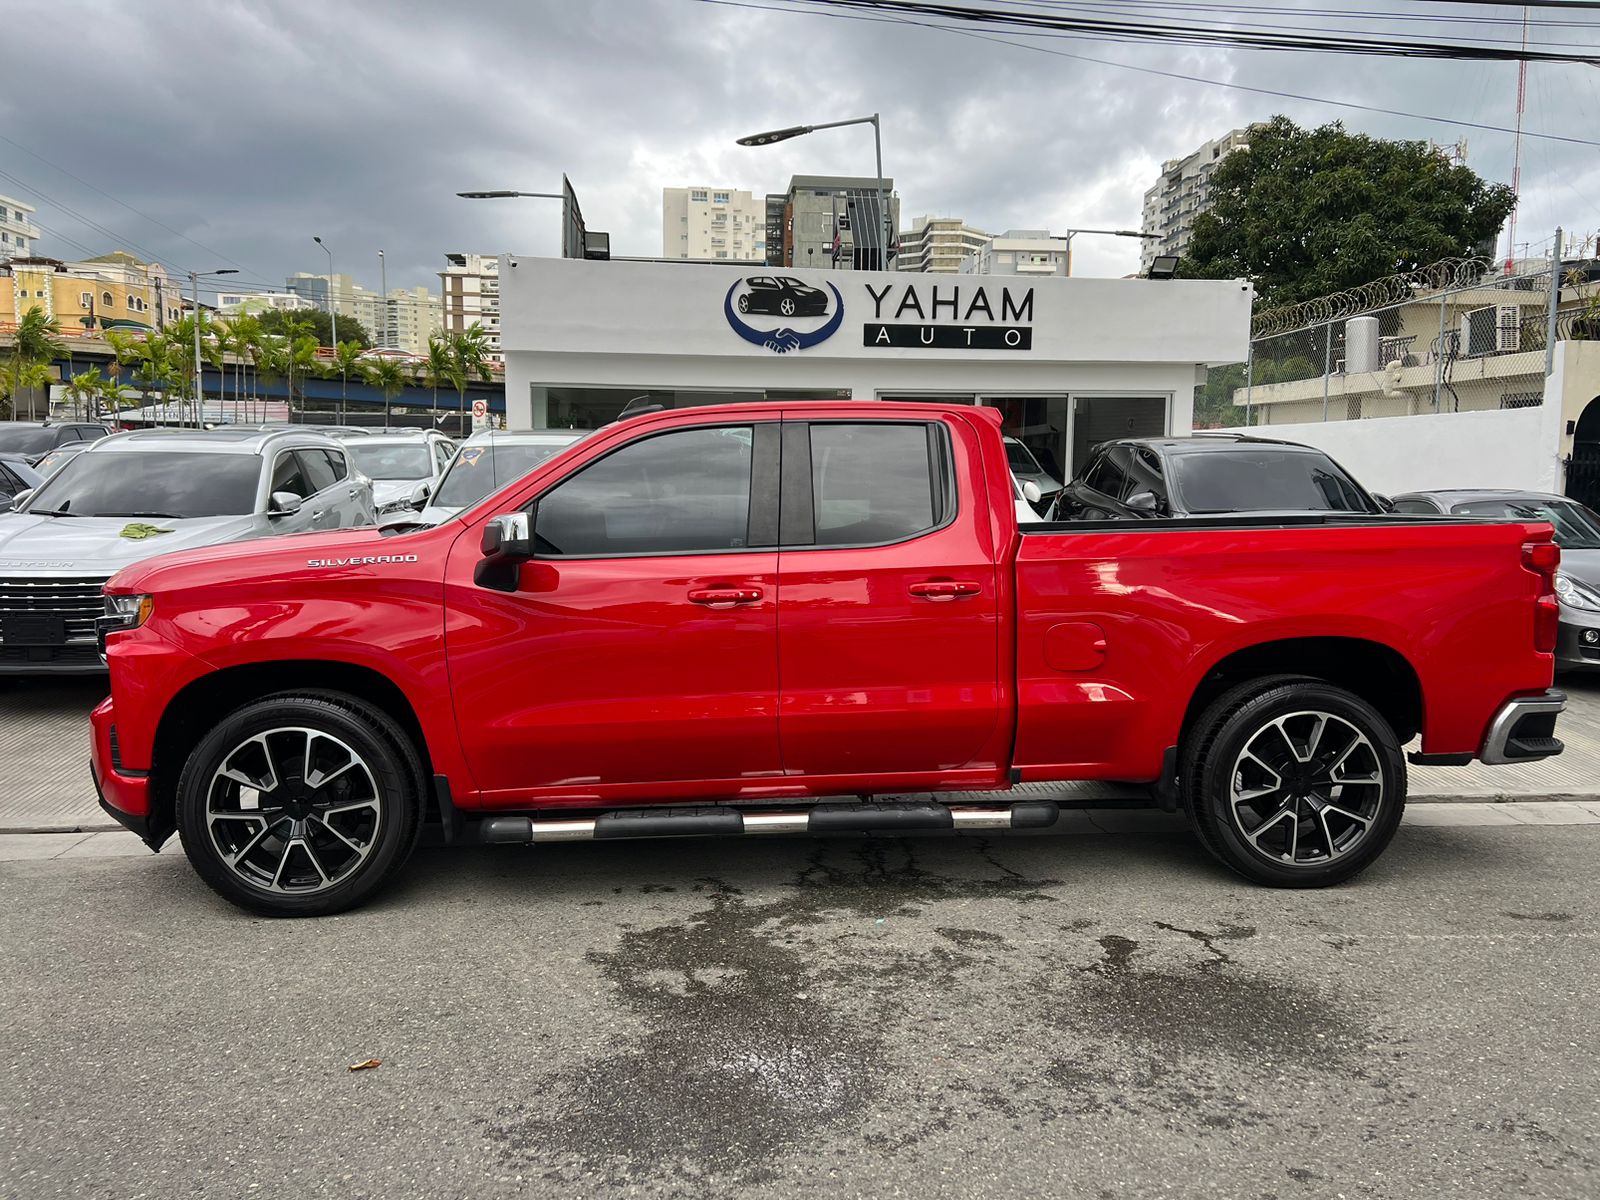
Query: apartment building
{"x": 937, "y": 245}
{"x": 711, "y": 223}
{"x": 1181, "y": 194}
{"x": 832, "y": 221}
{"x": 18, "y": 234}
{"x": 403, "y": 320}
{"x": 1020, "y": 252}
{"x": 470, "y": 287}
{"x": 113, "y": 291}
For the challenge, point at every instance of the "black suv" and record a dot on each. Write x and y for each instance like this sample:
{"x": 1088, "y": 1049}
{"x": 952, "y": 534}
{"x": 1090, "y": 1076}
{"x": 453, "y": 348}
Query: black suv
{"x": 1133, "y": 478}
{"x": 34, "y": 439}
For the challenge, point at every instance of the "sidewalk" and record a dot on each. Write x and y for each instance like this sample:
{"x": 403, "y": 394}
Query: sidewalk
{"x": 45, "y": 788}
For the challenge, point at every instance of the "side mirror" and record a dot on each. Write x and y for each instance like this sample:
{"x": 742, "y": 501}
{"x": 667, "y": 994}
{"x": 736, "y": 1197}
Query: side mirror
{"x": 1143, "y": 502}
{"x": 20, "y": 499}
{"x": 507, "y": 543}
{"x": 1031, "y": 492}
{"x": 420, "y": 494}
{"x": 283, "y": 504}
{"x": 1384, "y": 503}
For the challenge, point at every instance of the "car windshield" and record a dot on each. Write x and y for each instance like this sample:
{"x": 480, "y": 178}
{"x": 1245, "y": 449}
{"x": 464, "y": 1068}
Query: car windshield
{"x": 27, "y": 439}
{"x": 479, "y": 470}
{"x": 54, "y": 461}
{"x": 1019, "y": 459}
{"x": 1263, "y": 479}
{"x": 1577, "y": 528}
{"x": 391, "y": 461}
{"x": 171, "y": 484}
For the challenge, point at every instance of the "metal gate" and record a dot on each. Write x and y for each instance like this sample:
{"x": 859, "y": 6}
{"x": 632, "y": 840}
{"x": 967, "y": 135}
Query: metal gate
{"x": 1583, "y": 474}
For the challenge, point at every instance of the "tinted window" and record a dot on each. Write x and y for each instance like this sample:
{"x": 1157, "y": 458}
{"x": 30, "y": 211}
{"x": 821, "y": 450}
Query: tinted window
{"x": 28, "y": 439}
{"x": 1105, "y": 476}
{"x": 870, "y": 483}
{"x": 289, "y": 476}
{"x": 1264, "y": 479}
{"x": 318, "y": 471}
{"x": 390, "y": 461}
{"x": 682, "y": 491}
{"x": 10, "y": 485}
{"x": 1019, "y": 460}
{"x": 1146, "y": 475}
{"x": 1577, "y": 528}
{"x": 176, "y": 484}
{"x": 1426, "y": 507}
{"x": 336, "y": 460}
{"x": 479, "y": 470}
{"x": 91, "y": 433}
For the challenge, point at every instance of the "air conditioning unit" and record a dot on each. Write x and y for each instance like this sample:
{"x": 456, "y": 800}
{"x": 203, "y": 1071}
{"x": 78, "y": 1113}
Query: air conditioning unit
{"x": 1493, "y": 329}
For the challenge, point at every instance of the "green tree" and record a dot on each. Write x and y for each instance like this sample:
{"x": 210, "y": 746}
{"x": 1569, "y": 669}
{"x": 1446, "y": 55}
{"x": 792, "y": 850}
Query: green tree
{"x": 32, "y": 349}
{"x": 389, "y": 377}
{"x": 243, "y": 336}
{"x": 92, "y": 393}
{"x": 438, "y": 368}
{"x": 1302, "y": 213}
{"x": 314, "y": 322}
{"x": 346, "y": 362}
{"x": 469, "y": 360}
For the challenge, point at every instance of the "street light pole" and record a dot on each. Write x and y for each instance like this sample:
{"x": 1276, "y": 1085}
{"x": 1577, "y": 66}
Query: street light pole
{"x": 1069, "y": 234}
{"x": 333, "y": 316}
{"x": 199, "y": 391}
{"x": 794, "y": 131}
{"x": 383, "y": 298}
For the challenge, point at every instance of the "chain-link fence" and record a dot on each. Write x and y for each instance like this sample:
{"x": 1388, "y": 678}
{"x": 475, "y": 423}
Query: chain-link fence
{"x": 1452, "y": 338}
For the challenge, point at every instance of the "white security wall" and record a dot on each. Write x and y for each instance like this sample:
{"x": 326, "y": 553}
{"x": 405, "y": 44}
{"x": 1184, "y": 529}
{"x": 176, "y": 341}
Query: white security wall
{"x": 1516, "y": 448}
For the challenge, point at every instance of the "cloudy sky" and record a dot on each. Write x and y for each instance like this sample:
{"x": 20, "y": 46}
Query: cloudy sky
{"x": 211, "y": 134}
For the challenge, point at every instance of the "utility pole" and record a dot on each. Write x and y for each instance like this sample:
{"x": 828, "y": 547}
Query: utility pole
{"x": 199, "y": 391}
{"x": 383, "y": 299}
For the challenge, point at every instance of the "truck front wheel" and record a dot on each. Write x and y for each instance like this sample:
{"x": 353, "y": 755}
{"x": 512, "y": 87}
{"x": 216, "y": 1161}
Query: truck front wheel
{"x": 300, "y": 804}
{"x": 1293, "y": 782}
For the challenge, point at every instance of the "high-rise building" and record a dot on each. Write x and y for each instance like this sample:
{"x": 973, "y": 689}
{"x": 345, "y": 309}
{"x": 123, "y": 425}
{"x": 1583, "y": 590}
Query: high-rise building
{"x": 17, "y": 233}
{"x": 1181, "y": 194}
{"x": 404, "y": 320}
{"x": 937, "y": 245}
{"x": 470, "y": 286}
{"x": 1020, "y": 252}
{"x": 710, "y": 222}
{"x": 834, "y": 221}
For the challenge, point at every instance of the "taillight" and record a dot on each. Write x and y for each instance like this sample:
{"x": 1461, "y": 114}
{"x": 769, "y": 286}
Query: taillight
{"x": 1542, "y": 558}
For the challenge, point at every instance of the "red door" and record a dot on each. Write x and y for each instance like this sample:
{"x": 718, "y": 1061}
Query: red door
{"x": 637, "y": 658}
{"x": 888, "y": 633}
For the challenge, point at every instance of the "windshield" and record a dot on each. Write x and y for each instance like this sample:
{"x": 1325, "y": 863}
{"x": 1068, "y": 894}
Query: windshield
{"x": 389, "y": 461}
{"x": 29, "y": 439}
{"x": 55, "y": 460}
{"x": 479, "y": 470}
{"x": 1020, "y": 459}
{"x": 1263, "y": 479}
{"x": 172, "y": 484}
{"x": 1577, "y": 528}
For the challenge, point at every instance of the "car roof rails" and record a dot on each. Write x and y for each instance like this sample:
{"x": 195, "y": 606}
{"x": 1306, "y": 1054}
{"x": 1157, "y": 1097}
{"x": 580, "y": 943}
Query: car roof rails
{"x": 639, "y": 406}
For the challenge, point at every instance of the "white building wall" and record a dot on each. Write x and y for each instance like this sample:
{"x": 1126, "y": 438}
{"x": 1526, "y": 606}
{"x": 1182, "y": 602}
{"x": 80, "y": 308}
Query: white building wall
{"x": 18, "y": 234}
{"x": 712, "y": 222}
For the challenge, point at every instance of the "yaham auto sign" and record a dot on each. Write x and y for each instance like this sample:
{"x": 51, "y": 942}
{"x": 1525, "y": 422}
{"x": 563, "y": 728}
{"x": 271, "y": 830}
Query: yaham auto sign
{"x": 941, "y": 316}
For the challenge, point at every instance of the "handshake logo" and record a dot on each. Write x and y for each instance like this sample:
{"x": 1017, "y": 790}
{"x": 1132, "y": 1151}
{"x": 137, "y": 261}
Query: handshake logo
{"x": 787, "y": 298}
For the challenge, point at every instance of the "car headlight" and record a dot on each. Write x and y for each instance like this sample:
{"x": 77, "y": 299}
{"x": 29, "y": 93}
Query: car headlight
{"x": 1576, "y": 595}
{"x": 122, "y": 613}
{"x": 401, "y": 505}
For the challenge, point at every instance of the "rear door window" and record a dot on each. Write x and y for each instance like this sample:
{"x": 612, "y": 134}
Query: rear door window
{"x": 872, "y": 484}
{"x": 1425, "y": 507}
{"x": 1106, "y": 474}
{"x": 318, "y": 470}
{"x": 289, "y": 476}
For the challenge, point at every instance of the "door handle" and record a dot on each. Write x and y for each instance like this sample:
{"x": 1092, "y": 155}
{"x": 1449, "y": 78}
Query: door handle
{"x": 718, "y": 596}
{"x": 945, "y": 589}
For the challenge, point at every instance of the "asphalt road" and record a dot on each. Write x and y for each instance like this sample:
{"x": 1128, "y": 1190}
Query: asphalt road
{"x": 1087, "y": 1015}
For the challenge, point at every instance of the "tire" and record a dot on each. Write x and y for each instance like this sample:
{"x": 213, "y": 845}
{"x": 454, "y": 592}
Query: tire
{"x": 1293, "y": 782}
{"x": 265, "y": 839}
{"x": 744, "y": 304}
{"x": 786, "y": 307}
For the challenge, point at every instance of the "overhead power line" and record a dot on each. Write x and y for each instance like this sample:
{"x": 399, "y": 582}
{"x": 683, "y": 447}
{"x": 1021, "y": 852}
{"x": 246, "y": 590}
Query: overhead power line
{"x": 1057, "y": 21}
{"x": 785, "y": 6}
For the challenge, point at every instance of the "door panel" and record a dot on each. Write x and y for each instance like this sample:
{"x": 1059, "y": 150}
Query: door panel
{"x": 889, "y": 653}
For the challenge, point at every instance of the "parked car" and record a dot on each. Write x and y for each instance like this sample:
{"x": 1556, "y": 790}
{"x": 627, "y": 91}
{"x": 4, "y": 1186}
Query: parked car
{"x": 399, "y": 464}
{"x": 52, "y": 462}
{"x": 782, "y": 296}
{"x": 1208, "y": 475}
{"x": 35, "y": 439}
{"x": 16, "y": 477}
{"x": 602, "y": 646}
{"x": 1577, "y": 531}
{"x": 1026, "y": 496}
{"x": 132, "y": 496}
{"x": 1027, "y": 469}
{"x": 487, "y": 462}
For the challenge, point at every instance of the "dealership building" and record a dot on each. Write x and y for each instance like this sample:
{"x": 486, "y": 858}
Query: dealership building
{"x": 1069, "y": 361}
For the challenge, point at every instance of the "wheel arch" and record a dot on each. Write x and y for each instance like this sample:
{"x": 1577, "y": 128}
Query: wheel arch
{"x": 200, "y": 704}
{"x": 1376, "y": 672}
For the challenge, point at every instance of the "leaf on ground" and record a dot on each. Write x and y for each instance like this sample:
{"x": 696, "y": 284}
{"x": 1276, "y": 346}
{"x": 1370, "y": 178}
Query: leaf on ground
{"x": 368, "y": 1065}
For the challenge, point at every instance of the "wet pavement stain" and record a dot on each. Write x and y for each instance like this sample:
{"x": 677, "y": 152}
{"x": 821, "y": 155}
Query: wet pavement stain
{"x": 749, "y": 1046}
{"x": 1544, "y": 916}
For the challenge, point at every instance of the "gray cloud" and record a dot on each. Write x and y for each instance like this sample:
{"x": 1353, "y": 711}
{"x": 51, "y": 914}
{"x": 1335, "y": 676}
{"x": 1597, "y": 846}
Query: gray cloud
{"x": 250, "y": 128}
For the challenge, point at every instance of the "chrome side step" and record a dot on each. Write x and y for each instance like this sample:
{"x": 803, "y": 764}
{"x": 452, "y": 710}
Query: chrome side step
{"x": 726, "y": 822}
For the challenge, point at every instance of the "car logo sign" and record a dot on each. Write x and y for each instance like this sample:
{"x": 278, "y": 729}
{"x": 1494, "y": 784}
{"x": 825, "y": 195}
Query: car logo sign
{"x": 782, "y": 297}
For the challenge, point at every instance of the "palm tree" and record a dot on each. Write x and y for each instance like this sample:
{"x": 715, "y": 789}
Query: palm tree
{"x": 161, "y": 363}
{"x": 346, "y": 358}
{"x": 389, "y": 377}
{"x": 35, "y": 346}
{"x": 271, "y": 361}
{"x": 128, "y": 351}
{"x": 469, "y": 355}
{"x": 244, "y": 339}
{"x": 437, "y": 368}
{"x": 88, "y": 388}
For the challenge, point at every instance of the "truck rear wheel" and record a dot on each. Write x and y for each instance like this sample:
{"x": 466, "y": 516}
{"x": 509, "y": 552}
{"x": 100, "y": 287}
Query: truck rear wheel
{"x": 300, "y": 804}
{"x": 1293, "y": 782}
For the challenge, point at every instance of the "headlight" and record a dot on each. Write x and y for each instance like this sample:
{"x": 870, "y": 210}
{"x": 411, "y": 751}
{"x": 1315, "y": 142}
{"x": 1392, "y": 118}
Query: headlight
{"x": 402, "y": 505}
{"x": 1576, "y": 595}
{"x": 122, "y": 612}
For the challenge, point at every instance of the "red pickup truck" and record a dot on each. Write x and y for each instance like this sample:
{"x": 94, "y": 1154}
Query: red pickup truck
{"x": 752, "y": 619}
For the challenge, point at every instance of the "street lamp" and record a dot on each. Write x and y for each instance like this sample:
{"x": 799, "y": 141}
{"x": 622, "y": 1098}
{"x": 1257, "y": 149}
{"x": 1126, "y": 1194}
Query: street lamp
{"x": 383, "y": 297}
{"x": 510, "y": 195}
{"x": 333, "y": 317}
{"x": 1130, "y": 233}
{"x": 794, "y": 131}
{"x": 199, "y": 391}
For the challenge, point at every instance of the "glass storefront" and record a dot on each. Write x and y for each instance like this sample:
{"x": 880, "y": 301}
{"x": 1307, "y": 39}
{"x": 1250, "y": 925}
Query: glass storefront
{"x": 592, "y": 407}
